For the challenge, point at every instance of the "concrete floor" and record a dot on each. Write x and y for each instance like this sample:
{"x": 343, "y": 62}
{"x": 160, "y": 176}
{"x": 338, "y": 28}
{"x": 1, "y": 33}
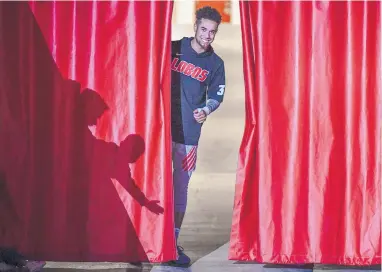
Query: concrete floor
{"x": 206, "y": 227}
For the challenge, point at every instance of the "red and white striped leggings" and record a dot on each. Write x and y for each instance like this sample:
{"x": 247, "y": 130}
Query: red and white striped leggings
{"x": 184, "y": 163}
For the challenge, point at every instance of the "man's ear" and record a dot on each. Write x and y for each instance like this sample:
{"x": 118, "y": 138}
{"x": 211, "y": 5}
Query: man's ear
{"x": 195, "y": 26}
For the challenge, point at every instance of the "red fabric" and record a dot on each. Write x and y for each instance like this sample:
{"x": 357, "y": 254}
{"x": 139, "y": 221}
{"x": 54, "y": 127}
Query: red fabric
{"x": 309, "y": 174}
{"x": 74, "y": 192}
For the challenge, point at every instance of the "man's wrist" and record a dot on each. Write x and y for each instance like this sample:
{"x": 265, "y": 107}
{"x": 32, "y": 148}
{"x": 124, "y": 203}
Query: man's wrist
{"x": 206, "y": 110}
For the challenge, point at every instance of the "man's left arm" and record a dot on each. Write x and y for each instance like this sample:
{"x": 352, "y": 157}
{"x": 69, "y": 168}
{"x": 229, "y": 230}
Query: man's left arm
{"x": 215, "y": 91}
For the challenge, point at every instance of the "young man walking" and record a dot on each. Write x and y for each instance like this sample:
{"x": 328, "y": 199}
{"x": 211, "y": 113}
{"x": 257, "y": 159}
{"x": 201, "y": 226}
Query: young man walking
{"x": 198, "y": 85}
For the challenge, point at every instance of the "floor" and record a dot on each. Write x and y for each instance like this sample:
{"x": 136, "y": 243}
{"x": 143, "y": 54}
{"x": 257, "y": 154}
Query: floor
{"x": 205, "y": 232}
{"x": 217, "y": 261}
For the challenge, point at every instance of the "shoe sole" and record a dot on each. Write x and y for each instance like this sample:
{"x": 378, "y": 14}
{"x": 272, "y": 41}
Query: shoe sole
{"x": 174, "y": 264}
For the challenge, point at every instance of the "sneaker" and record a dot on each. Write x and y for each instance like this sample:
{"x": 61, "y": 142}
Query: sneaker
{"x": 183, "y": 259}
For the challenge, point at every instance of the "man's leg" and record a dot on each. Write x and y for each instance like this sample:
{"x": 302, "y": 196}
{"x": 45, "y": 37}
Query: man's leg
{"x": 184, "y": 164}
{"x": 178, "y": 222}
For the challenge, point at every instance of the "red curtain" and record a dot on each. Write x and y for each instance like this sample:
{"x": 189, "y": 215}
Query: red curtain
{"x": 309, "y": 175}
{"x": 85, "y": 130}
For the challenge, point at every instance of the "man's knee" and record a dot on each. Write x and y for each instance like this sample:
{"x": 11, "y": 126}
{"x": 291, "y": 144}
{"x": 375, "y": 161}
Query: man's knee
{"x": 181, "y": 181}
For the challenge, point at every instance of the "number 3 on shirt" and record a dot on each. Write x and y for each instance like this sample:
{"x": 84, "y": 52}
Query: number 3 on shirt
{"x": 221, "y": 90}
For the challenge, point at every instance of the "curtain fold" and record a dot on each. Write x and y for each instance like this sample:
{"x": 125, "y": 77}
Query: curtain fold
{"x": 85, "y": 130}
{"x": 309, "y": 176}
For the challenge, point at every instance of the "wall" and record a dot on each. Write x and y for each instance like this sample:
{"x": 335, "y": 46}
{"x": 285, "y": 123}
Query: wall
{"x": 184, "y": 11}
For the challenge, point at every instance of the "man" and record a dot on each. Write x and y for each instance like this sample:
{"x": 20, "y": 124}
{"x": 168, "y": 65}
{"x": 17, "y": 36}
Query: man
{"x": 198, "y": 85}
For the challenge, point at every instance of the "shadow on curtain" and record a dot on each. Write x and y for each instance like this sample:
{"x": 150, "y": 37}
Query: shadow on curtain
{"x": 83, "y": 158}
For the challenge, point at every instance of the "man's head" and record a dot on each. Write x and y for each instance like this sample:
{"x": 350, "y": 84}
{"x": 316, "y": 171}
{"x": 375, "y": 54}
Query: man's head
{"x": 207, "y": 22}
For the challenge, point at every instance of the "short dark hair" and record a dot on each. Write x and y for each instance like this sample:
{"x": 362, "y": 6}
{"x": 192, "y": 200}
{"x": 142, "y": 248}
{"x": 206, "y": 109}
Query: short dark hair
{"x": 209, "y": 13}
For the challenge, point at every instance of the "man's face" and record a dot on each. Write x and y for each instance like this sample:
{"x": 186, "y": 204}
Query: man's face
{"x": 205, "y": 32}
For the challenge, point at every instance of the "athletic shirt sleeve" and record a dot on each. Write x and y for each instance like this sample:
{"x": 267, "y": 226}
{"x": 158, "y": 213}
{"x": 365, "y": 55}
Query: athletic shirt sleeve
{"x": 216, "y": 88}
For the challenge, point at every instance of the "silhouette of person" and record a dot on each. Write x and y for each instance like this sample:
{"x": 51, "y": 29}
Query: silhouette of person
{"x": 130, "y": 150}
{"x": 67, "y": 203}
{"x": 98, "y": 166}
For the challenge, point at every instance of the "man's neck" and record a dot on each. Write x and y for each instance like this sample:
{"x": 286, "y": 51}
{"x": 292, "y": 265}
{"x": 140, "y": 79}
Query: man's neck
{"x": 198, "y": 49}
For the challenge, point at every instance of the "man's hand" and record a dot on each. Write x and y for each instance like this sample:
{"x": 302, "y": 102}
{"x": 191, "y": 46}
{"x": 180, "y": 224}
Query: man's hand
{"x": 200, "y": 116}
